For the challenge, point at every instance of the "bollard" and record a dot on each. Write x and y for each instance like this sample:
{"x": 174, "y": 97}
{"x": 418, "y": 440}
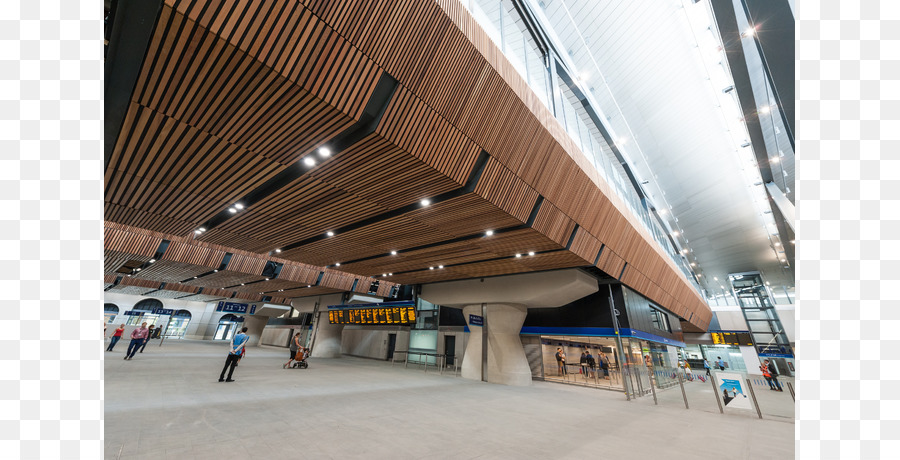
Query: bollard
{"x": 683, "y": 394}
{"x": 712, "y": 380}
{"x": 753, "y": 394}
{"x": 791, "y": 389}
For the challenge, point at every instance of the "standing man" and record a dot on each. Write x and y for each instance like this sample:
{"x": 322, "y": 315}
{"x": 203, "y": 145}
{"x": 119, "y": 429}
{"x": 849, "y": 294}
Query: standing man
{"x": 561, "y": 361}
{"x": 774, "y": 373}
{"x": 149, "y": 334}
{"x": 138, "y": 337}
{"x": 706, "y": 366}
{"x": 237, "y": 351}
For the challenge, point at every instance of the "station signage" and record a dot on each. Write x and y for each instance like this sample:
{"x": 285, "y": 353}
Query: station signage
{"x": 163, "y": 311}
{"x": 135, "y": 312}
{"x": 732, "y": 338}
{"x": 775, "y": 351}
{"x": 403, "y": 314}
{"x": 234, "y": 307}
{"x": 475, "y": 320}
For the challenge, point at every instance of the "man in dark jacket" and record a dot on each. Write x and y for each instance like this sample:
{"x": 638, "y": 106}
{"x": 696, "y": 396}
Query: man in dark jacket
{"x": 774, "y": 372}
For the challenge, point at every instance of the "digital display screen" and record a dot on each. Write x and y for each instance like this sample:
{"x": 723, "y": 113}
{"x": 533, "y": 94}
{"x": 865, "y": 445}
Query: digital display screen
{"x": 370, "y": 315}
{"x": 732, "y": 338}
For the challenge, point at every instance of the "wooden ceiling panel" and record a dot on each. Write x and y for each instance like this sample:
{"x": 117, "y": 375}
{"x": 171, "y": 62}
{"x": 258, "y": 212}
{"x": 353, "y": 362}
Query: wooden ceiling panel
{"x": 552, "y": 222}
{"x": 552, "y": 260}
{"x": 304, "y": 292}
{"x": 113, "y": 260}
{"x": 145, "y": 220}
{"x": 171, "y": 272}
{"x": 131, "y": 290}
{"x": 204, "y": 297}
{"x": 224, "y": 279}
{"x": 585, "y": 245}
{"x": 268, "y": 286}
{"x": 501, "y": 187}
{"x": 521, "y": 241}
{"x": 463, "y": 216}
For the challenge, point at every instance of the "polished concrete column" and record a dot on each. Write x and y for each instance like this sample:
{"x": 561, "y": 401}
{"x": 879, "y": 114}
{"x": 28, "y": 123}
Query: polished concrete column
{"x": 328, "y": 338}
{"x": 506, "y": 361}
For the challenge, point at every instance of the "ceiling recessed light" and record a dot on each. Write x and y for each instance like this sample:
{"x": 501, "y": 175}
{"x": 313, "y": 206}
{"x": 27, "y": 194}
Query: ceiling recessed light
{"x": 137, "y": 269}
{"x": 716, "y": 278}
{"x": 440, "y": 266}
{"x": 337, "y": 264}
{"x": 324, "y": 152}
{"x": 215, "y": 271}
{"x": 278, "y": 250}
{"x": 663, "y": 211}
{"x": 721, "y": 287}
{"x": 699, "y": 275}
{"x": 238, "y": 206}
{"x": 195, "y": 277}
{"x": 393, "y": 253}
{"x": 197, "y": 232}
{"x": 693, "y": 264}
{"x": 767, "y": 283}
{"x": 232, "y": 210}
{"x": 489, "y": 232}
{"x": 531, "y": 253}
{"x": 431, "y": 268}
{"x": 425, "y": 202}
{"x": 308, "y": 161}
{"x": 684, "y": 251}
{"x": 384, "y": 274}
{"x": 242, "y": 284}
{"x": 390, "y": 274}
{"x": 518, "y": 255}
{"x": 202, "y": 229}
{"x": 330, "y": 233}
{"x": 309, "y": 285}
{"x": 777, "y": 244}
{"x": 267, "y": 279}
{"x": 152, "y": 260}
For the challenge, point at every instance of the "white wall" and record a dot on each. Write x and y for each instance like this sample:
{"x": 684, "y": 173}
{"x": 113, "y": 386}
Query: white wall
{"x": 730, "y": 318}
{"x": 369, "y": 342}
{"x": 787, "y": 315}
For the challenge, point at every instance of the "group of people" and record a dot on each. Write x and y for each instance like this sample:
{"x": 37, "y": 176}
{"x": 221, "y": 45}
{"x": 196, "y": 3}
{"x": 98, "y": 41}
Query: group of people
{"x": 587, "y": 361}
{"x": 770, "y": 373}
{"x": 139, "y": 338}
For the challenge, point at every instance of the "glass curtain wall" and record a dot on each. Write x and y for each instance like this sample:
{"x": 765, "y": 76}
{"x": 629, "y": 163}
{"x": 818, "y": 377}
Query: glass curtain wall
{"x": 504, "y": 25}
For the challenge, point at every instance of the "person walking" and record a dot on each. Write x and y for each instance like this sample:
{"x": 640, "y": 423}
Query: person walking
{"x": 774, "y": 374}
{"x": 237, "y": 351}
{"x": 295, "y": 345}
{"x": 584, "y": 364}
{"x": 591, "y": 363}
{"x": 706, "y": 366}
{"x": 138, "y": 338}
{"x": 720, "y": 363}
{"x": 561, "y": 361}
{"x": 150, "y": 332}
{"x": 114, "y": 339}
{"x": 688, "y": 375}
{"x": 604, "y": 365}
{"x": 767, "y": 375}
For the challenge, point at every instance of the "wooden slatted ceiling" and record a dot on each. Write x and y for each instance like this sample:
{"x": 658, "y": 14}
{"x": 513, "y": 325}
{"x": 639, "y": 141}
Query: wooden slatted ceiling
{"x": 109, "y": 279}
{"x": 113, "y": 260}
{"x": 131, "y": 243}
{"x": 488, "y": 268}
{"x": 501, "y": 187}
{"x": 338, "y": 280}
{"x": 419, "y": 130}
{"x": 306, "y": 292}
{"x": 552, "y": 222}
{"x": 268, "y": 286}
{"x": 246, "y": 264}
{"x": 131, "y": 290}
{"x": 194, "y": 254}
{"x": 585, "y": 245}
{"x": 224, "y": 279}
{"x": 300, "y": 273}
{"x": 465, "y": 215}
{"x": 501, "y": 90}
{"x": 171, "y": 272}
{"x": 280, "y": 301}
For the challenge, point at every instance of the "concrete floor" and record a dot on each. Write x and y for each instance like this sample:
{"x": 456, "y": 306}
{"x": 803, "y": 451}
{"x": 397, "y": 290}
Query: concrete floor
{"x": 167, "y": 403}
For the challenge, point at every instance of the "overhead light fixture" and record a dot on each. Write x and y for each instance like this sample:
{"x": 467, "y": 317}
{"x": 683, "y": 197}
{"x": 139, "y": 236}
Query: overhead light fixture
{"x": 232, "y": 210}
{"x": 693, "y": 264}
{"x": 518, "y": 255}
{"x": 195, "y": 277}
{"x": 242, "y": 284}
{"x": 721, "y": 287}
{"x": 308, "y": 161}
{"x": 764, "y": 109}
{"x": 393, "y": 253}
{"x": 197, "y": 232}
{"x": 152, "y": 260}
{"x": 384, "y": 274}
{"x": 425, "y": 202}
{"x": 699, "y": 275}
{"x": 767, "y": 283}
{"x": 337, "y": 264}
{"x": 774, "y": 160}
{"x": 267, "y": 279}
{"x": 792, "y": 241}
{"x": 324, "y": 152}
{"x": 390, "y": 274}
{"x": 431, "y": 268}
{"x": 440, "y": 266}
{"x": 489, "y": 233}
{"x": 202, "y": 229}
{"x": 684, "y": 251}
{"x": 716, "y": 278}
{"x": 622, "y": 141}
{"x": 662, "y": 211}
{"x": 530, "y": 253}
{"x": 329, "y": 233}
{"x": 777, "y": 244}
{"x": 749, "y": 32}
{"x": 238, "y": 206}
{"x": 675, "y": 233}
{"x": 137, "y": 269}
{"x": 278, "y": 250}
{"x": 216, "y": 271}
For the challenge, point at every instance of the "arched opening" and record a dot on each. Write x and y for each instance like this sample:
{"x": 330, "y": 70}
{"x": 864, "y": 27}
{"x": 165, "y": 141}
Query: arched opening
{"x": 178, "y": 324}
{"x": 110, "y": 311}
{"x": 228, "y": 324}
{"x": 142, "y": 311}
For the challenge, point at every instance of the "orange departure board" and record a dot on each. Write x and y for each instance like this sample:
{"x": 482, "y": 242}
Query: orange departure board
{"x": 731, "y": 338}
{"x": 388, "y": 315}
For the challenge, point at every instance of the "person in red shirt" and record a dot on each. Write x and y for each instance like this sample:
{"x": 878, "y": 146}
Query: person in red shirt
{"x": 137, "y": 339}
{"x": 114, "y": 339}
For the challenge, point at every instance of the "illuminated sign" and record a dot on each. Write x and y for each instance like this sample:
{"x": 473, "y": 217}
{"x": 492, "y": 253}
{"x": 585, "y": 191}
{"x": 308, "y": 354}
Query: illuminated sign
{"x": 732, "y": 338}
{"x": 387, "y": 315}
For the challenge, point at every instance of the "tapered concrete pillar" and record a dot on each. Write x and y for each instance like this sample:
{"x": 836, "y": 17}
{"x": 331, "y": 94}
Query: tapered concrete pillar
{"x": 328, "y": 338}
{"x": 506, "y": 361}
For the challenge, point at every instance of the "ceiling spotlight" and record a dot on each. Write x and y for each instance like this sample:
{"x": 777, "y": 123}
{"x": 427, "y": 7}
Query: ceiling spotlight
{"x": 518, "y": 255}
{"x": 425, "y": 202}
{"x": 195, "y": 277}
{"x": 393, "y": 253}
{"x": 216, "y": 271}
{"x": 783, "y": 260}
{"x": 152, "y": 260}
{"x": 684, "y": 251}
{"x": 232, "y": 210}
{"x": 767, "y": 283}
{"x": 242, "y": 284}
{"x": 777, "y": 244}
{"x": 721, "y": 287}
{"x": 202, "y": 229}
{"x": 390, "y": 274}
{"x": 137, "y": 269}
{"x": 431, "y": 268}
{"x": 308, "y": 161}
{"x": 267, "y": 279}
{"x": 330, "y": 233}
{"x": 440, "y": 266}
{"x": 337, "y": 264}
{"x": 238, "y": 206}
{"x": 622, "y": 141}
{"x": 693, "y": 264}
{"x": 197, "y": 232}
{"x": 309, "y": 285}
{"x": 751, "y": 31}
{"x": 662, "y": 211}
{"x": 489, "y": 232}
{"x": 716, "y": 278}
{"x": 281, "y": 290}
{"x": 384, "y": 274}
{"x": 278, "y": 250}
{"x": 699, "y": 275}
{"x": 531, "y": 253}
{"x": 324, "y": 152}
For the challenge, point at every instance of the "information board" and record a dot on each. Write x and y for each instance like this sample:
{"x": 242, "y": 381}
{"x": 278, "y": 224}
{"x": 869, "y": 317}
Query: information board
{"x": 373, "y": 315}
{"x": 732, "y": 338}
{"x": 235, "y": 307}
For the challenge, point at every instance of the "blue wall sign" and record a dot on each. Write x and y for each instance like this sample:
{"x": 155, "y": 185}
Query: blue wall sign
{"x": 234, "y": 307}
{"x": 135, "y": 312}
{"x": 475, "y": 320}
{"x": 163, "y": 311}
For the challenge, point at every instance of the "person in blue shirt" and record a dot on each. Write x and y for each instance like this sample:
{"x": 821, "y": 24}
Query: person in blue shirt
{"x": 720, "y": 363}
{"x": 706, "y": 365}
{"x": 237, "y": 351}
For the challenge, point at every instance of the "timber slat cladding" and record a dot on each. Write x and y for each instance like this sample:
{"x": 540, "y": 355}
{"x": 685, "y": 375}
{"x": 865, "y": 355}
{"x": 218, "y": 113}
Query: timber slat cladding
{"x": 465, "y": 215}
{"x": 193, "y": 254}
{"x": 501, "y": 187}
{"x": 259, "y": 287}
{"x": 585, "y": 245}
{"x": 109, "y": 279}
{"x": 552, "y": 222}
{"x": 419, "y": 130}
{"x": 132, "y": 290}
{"x": 246, "y": 264}
{"x": 299, "y": 273}
{"x": 127, "y": 242}
{"x": 306, "y": 292}
{"x": 224, "y": 279}
{"x": 338, "y": 280}
{"x": 181, "y": 288}
{"x": 171, "y": 272}
{"x": 113, "y": 260}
